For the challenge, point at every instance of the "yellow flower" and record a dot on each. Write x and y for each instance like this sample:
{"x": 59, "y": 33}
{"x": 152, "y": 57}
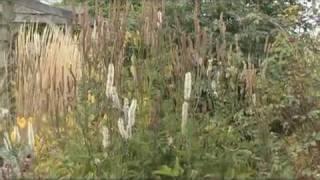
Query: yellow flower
{"x": 22, "y": 122}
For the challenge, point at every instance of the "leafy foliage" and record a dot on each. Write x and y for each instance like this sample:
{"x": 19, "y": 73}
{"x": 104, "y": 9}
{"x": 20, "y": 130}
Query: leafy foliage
{"x": 253, "y": 111}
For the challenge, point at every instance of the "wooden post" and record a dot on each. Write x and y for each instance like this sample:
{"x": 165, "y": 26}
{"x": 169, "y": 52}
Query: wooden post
{"x": 6, "y": 17}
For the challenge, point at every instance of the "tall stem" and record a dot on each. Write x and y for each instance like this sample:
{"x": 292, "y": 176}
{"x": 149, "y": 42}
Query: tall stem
{"x": 197, "y": 9}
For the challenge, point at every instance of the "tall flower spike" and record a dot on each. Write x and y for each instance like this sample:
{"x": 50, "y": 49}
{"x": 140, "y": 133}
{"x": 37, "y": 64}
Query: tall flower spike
{"x": 187, "y": 86}
{"x": 185, "y": 108}
{"x": 131, "y": 116}
{"x": 115, "y": 98}
{"x": 132, "y": 113}
{"x": 123, "y": 132}
{"x": 110, "y": 80}
{"x": 133, "y": 69}
{"x": 105, "y": 137}
{"x": 159, "y": 18}
{"x": 126, "y": 103}
{"x": 125, "y": 126}
{"x": 126, "y": 110}
{"x": 30, "y": 135}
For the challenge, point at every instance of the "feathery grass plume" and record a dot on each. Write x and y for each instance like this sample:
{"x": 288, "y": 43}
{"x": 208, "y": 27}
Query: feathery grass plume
{"x": 185, "y": 106}
{"x": 110, "y": 80}
{"x": 48, "y": 68}
{"x": 187, "y": 86}
{"x": 6, "y": 141}
{"x": 248, "y": 77}
{"x": 105, "y": 137}
{"x": 30, "y": 135}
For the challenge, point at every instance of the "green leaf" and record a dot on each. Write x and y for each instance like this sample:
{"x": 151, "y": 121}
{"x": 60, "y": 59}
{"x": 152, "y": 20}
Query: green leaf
{"x": 167, "y": 171}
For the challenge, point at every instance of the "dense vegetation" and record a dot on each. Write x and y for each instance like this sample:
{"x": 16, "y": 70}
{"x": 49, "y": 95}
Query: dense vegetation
{"x": 170, "y": 90}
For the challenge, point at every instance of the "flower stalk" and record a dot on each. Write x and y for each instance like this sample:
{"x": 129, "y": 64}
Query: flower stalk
{"x": 125, "y": 125}
{"x": 30, "y": 135}
{"x": 105, "y": 137}
{"x": 185, "y": 106}
{"x": 110, "y": 80}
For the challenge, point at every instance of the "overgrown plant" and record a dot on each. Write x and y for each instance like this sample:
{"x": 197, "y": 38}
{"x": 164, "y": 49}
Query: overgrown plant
{"x": 158, "y": 101}
{"x": 48, "y": 68}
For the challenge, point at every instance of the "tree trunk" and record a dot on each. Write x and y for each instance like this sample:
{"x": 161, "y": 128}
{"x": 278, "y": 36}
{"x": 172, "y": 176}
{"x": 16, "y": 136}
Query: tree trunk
{"x": 6, "y": 17}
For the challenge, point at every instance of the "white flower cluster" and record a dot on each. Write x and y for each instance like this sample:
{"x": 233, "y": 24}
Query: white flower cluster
{"x": 30, "y": 135}
{"x": 4, "y": 113}
{"x": 105, "y": 137}
{"x": 110, "y": 81}
{"x": 111, "y": 90}
{"x": 125, "y": 123}
{"x": 185, "y": 106}
{"x": 159, "y": 18}
{"x": 130, "y": 113}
